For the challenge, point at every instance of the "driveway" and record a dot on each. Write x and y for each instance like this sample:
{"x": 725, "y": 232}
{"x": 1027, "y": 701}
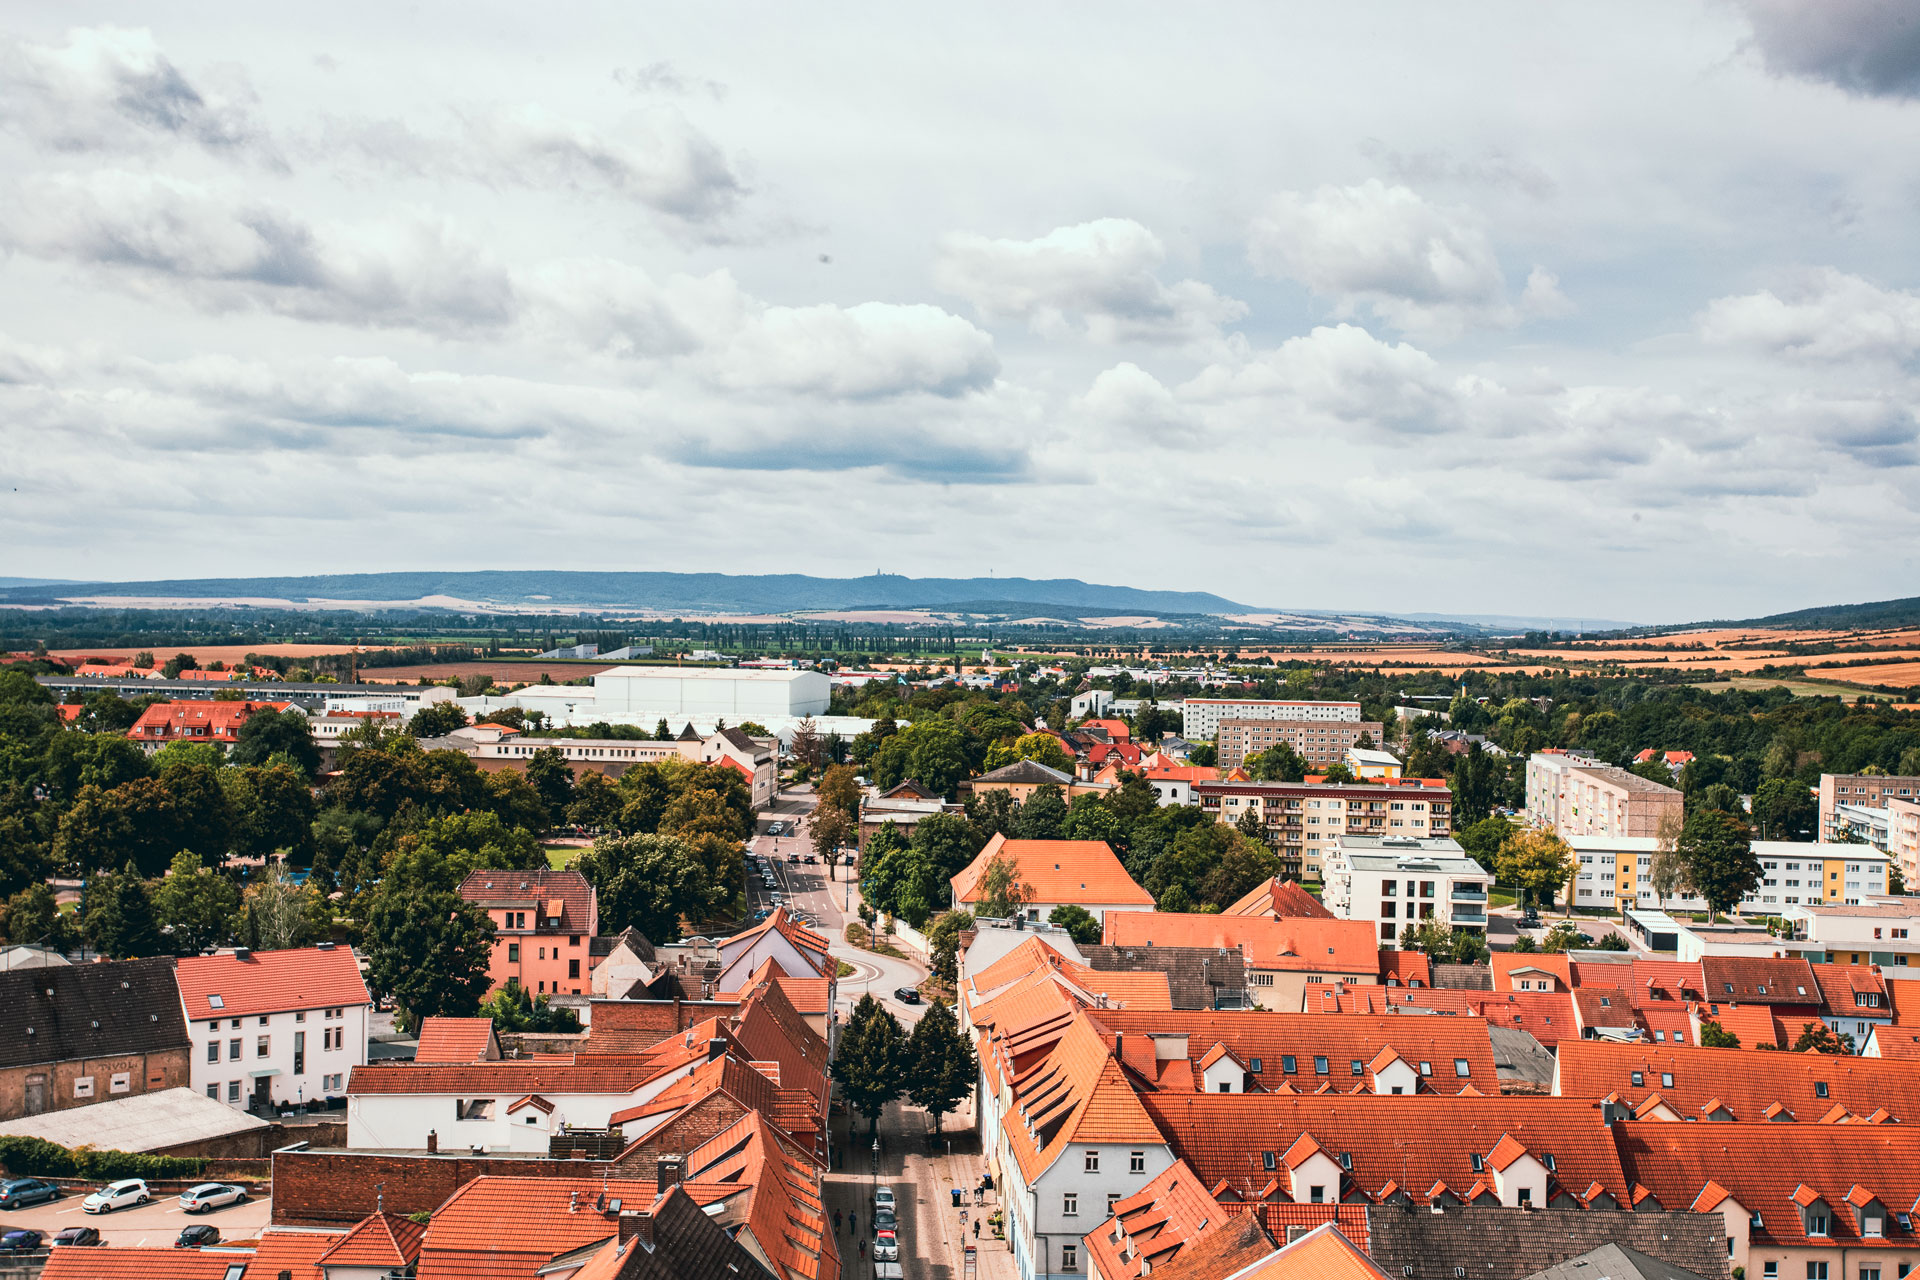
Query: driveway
{"x": 151, "y": 1224}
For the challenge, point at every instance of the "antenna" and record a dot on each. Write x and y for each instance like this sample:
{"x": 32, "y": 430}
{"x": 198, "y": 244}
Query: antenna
{"x": 379, "y": 1197}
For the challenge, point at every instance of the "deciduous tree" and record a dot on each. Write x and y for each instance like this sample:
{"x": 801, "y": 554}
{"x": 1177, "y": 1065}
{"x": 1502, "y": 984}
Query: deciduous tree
{"x": 1719, "y": 858}
{"x": 942, "y": 1065}
{"x": 193, "y": 906}
{"x": 1079, "y": 922}
{"x": 429, "y": 950}
{"x": 871, "y": 1063}
{"x": 1538, "y": 862}
{"x": 1001, "y": 893}
{"x": 119, "y": 917}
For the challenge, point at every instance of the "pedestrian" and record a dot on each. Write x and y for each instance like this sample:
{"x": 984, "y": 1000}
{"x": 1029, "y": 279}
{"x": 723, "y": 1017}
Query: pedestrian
{"x": 976, "y": 1228}
{"x": 863, "y": 1248}
{"x": 836, "y": 1220}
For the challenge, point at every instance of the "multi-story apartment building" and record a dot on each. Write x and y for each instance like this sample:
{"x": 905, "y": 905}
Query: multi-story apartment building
{"x": 1302, "y": 819}
{"x": 275, "y": 1026}
{"x": 543, "y": 927}
{"x": 1578, "y": 795}
{"x": 1393, "y": 881}
{"x": 215, "y": 722}
{"x": 1616, "y": 873}
{"x": 1867, "y": 790}
{"x": 1200, "y": 718}
{"x": 1319, "y": 742}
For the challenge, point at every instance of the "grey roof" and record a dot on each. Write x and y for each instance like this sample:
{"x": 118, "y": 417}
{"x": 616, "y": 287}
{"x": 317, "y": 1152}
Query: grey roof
{"x": 1463, "y": 977}
{"x": 636, "y": 941}
{"x": 688, "y": 1245}
{"x": 1518, "y": 1057}
{"x": 1021, "y": 771}
{"x": 145, "y": 1122}
{"x": 1514, "y": 1244}
{"x": 105, "y": 1010}
{"x": 1197, "y": 976}
{"x": 1613, "y": 1262}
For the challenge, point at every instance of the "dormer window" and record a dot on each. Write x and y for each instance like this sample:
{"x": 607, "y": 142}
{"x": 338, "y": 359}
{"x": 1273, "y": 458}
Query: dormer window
{"x": 1817, "y": 1223}
{"x": 1548, "y": 1160}
{"x": 1346, "y": 1161}
{"x": 1267, "y": 1161}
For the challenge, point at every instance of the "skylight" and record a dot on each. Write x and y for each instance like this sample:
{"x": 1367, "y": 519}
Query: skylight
{"x": 216, "y": 1002}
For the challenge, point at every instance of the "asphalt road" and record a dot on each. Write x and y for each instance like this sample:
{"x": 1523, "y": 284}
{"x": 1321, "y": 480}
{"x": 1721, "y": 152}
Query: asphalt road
{"x": 158, "y": 1223}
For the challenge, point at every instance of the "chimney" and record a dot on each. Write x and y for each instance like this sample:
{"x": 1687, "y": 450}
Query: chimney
{"x": 1119, "y": 1043}
{"x": 573, "y": 1202}
{"x": 667, "y": 1172}
{"x": 636, "y": 1226}
{"x": 715, "y": 1048}
{"x": 433, "y": 1141}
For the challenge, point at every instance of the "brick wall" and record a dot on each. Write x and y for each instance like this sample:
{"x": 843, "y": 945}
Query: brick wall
{"x": 702, "y": 1121}
{"x": 337, "y": 1188}
{"x": 146, "y": 1073}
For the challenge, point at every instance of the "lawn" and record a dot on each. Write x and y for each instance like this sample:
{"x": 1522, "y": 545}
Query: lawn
{"x": 1495, "y": 898}
{"x": 562, "y": 856}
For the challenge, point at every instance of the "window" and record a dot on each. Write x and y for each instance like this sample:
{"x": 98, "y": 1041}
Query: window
{"x": 263, "y": 1019}
{"x": 83, "y": 1086}
{"x": 1816, "y": 1224}
{"x": 1070, "y": 1204}
{"x": 213, "y": 1091}
{"x": 573, "y": 968}
{"x": 1461, "y": 1068}
{"x": 1136, "y": 1162}
{"x": 216, "y": 1002}
{"x": 1289, "y": 1063}
{"x": 1069, "y": 1257}
{"x": 233, "y": 1050}
{"x": 1316, "y": 1195}
{"x": 1816, "y": 1271}
{"x": 1819, "y": 1088}
{"x": 300, "y": 1015}
{"x": 1319, "y": 1064}
{"x": 1359, "y": 1067}
{"x": 1093, "y": 1162}
{"x": 260, "y": 1048}
{"x": 1666, "y": 1079}
{"x": 120, "y": 1083}
{"x": 1346, "y": 1161}
{"x": 1113, "y": 1198}
{"x": 1639, "y": 1078}
{"x": 513, "y": 953}
{"x": 233, "y": 1091}
{"x": 1257, "y": 1066}
{"x": 473, "y": 1109}
{"x": 1548, "y": 1158}
{"x": 213, "y": 1051}
{"x": 1771, "y": 1271}
{"x": 1869, "y": 1273}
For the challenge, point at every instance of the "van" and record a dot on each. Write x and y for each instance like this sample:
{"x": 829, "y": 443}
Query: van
{"x": 887, "y": 1271}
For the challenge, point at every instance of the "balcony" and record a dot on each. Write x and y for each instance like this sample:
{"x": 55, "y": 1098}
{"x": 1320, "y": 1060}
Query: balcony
{"x": 1469, "y": 915}
{"x": 1463, "y": 894}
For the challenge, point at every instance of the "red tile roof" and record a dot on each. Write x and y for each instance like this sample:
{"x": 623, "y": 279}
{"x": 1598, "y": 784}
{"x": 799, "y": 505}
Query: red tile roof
{"x": 1759, "y": 980}
{"x": 601, "y": 1073}
{"x": 1303, "y": 945}
{"x": 500, "y": 1228}
{"x": 1843, "y": 988}
{"x": 1077, "y": 1093}
{"x": 109, "y": 1262}
{"x": 1280, "y": 899}
{"x": 1533, "y": 967}
{"x": 1132, "y": 989}
{"x": 1768, "y": 1175}
{"x": 1322, "y": 1254}
{"x": 197, "y": 721}
{"x": 535, "y": 891}
{"x": 226, "y": 986}
{"x": 1897, "y": 1042}
{"x": 768, "y": 1188}
{"x": 1080, "y": 871}
{"x": 455, "y": 1040}
{"x": 1745, "y": 1081}
{"x": 1410, "y": 1143}
{"x": 1153, "y": 1223}
{"x": 811, "y": 945}
{"x": 279, "y": 1249}
{"x": 1272, "y": 1038}
{"x": 1405, "y": 968}
{"x": 378, "y": 1240}
{"x": 1669, "y": 979}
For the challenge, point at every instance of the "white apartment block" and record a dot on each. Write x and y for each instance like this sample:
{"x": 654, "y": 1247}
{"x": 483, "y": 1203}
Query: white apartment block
{"x": 1616, "y": 873}
{"x": 1302, "y": 819}
{"x": 1882, "y": 931}
{"x": 1393, "y": 881}
{"x": 1577, "y": 795}
{"x": 274, "y": 1027}
{"x": 1200, "y": 717}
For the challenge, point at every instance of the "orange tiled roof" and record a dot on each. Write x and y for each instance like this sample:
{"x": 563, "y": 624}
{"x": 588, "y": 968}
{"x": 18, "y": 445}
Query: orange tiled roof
{"x": 298, "y": 1251}
{"x": 197, "y": 721}
{"x": 600, "y": 1073}
{"x": 811, "y": 945}
{"x": 454, "y": 1040}
{"x": 1077, "y": 1093}
{"x": 1080, "y": 871}
{"x": 781, "y": 1186}
{"x": 109, "y": 1262}
{"x": 1145, "y": 989}
{"x": 225, "y": 986}
{"x": 539, "y": 890}
{"x": 1668, "y": 979}
{"x": 1153, "y": 1224}
{"x": 1759, "y": 980}
{"x": 496, "y": 1228}
{"x": 1550, "y": 966}
{"x": 1322, "y": 1254}
{"x": 1306, "y": 945}
{"x": 1279, "y": 898}
{"x": 1745, "y": 1081}
{"x": 378, "y": 1240}
{"x": 1843, "y": 986}
{"x": 1405, "y": 968}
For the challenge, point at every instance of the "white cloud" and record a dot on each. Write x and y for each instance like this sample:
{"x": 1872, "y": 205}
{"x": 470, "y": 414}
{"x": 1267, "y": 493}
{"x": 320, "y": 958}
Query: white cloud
{"x": 112, "y": 89}
{"x": 1128, "y": 403}
{"x": 1101, "y": 273}
{"x": 1345, "y": 373}
{"x": 1824, "y": 315}
{"x": 1418, "y": 267}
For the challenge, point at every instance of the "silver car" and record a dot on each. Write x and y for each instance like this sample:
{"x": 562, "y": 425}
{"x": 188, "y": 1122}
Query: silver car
{"x": 211, "y": 1195}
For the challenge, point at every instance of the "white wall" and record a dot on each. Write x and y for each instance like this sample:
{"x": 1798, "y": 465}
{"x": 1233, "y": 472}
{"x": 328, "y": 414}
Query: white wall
{"x": 1041, "y": 1215}
{"x": 349, "y": 1030}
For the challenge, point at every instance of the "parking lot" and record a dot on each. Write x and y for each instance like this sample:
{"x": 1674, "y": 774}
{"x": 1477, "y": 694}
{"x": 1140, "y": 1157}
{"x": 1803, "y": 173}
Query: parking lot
{"x": 151, "y": 1224}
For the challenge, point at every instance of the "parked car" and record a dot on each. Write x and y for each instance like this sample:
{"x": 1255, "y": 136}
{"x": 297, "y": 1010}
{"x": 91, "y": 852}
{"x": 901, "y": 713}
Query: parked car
{"x": 197, "y": 1236}
{"x": 906, "y": 995}
{"x": 211, "y": 1195}
{"x": 123, "y": 1194}
{"x": 20, "y": 1241}
{"x": 76, "y": 1236}
{"x": 883, "y": 1198}
{"x": 762, "y": 914}
{"x": 16, "y": 1193}
{"x": 883, "y": 1220}
{"x": 886, "y": 1247}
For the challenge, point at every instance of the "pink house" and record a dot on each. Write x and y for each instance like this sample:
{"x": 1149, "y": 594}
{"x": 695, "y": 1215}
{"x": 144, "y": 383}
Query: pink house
{"x": 544, "y": 922}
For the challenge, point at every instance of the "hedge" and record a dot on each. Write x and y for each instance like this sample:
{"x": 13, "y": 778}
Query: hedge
{"x": 38, "y": 1158}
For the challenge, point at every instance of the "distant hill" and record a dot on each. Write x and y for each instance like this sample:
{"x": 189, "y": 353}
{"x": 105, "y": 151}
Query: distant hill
{"x": 1844, "y": 617}
{"x": 694, "y": 592}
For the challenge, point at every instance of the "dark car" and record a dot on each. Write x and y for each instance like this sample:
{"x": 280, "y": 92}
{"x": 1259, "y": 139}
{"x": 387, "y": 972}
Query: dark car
{"x": 20, "y": 1241}
{"x": 883, "y": 1220}
{"x": 906, "y": 995}
{"x": 16, "y": 1192}
{"x": 200, "y": 1233}
{"x": 1530, "y": 918}
{"x": 76, "y": 1236}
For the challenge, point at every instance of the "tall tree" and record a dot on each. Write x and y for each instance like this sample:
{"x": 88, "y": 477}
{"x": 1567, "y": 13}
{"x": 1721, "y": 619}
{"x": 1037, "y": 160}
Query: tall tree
{"x": 942, "y": 1065}
{"x": 649, "y": 883}
{"x": 119, "y": 921}
{"x": 1537, "y": 862}
{"x": 277, "y": 914}
{"x": 552, "y": 780}
{"x": 1718, "y": 852}
{"x": 1001, "y": 893}
{"x": 871, "y": 1063}
{"x": 428, "y": 949}
{"x": 1042, "y": 814}
{"x": 595, "y": 804}
{"x": 194, "y": 906}
{"x": 268, "y": 734}
{"x": 1785, "y": 810}
{"x": 1278, "y": 763}
{"x": 437, "y": 720}
{"x": 806, "y": 748}
{"x": 943, "y": 942}
{"x": 1079, "y": 922}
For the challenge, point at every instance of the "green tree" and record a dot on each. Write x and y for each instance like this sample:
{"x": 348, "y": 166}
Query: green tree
{"x": 649, "y": 883}
{"x": 119, "y": 920}
{"x": 429, "y": 950}
{"x": 880, "y": 867}
{"x": 277, "y": 914}
{"x": 1042, "y": 814}
{"x": 1174, "y": 899}
{"x": 1278, "y": 763}
{"x": 943, "y": 943}
{"x": 991, "y": 813}
{"x": 1523, "y": 943}
{"x": 1002, "y": 893}
{"x": 455, "y": 846}
{"x": 512, "y": 1008}
{"x": 1482, "y": 840}
{"x": 1715, "y": 1036}
{"x": 1785, "y": 810}
{"x": 32, "y": 917}
{"x": 942, "y": 1067}
{"x": 269, "y": 734}
{"x": 1089, "y": 818}
{"x": 1079, "y": 922}
{"x": 1537, "y": 862}
{"x": 871, "y": 1064}
{"x": 1244, "y": 865}
{"x": 1041, "y": 748}
{"x": 595, "y": 804}
{"x": 1564, "y": 936}
{"x": 1716, "y": 848}
{"x": 1818, "y": 1037}
{"x": 945, "y": 840}
{"x": 272, "y": 811}
{"x": 1442, "y": 942}
{"x": 194, "y": 907}
{"x": 437, "y": 720}
{"x": 514, "y": 800}
{"x": 552, "y": 780}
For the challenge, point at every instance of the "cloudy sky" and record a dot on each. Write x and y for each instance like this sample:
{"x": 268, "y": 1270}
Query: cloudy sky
{"x": 1607, "y": 310}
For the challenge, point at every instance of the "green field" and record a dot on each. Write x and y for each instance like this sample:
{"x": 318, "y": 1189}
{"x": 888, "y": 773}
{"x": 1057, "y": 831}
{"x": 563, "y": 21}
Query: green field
{"x": 562, "y": 856}
{"x": 1799, "y": 688}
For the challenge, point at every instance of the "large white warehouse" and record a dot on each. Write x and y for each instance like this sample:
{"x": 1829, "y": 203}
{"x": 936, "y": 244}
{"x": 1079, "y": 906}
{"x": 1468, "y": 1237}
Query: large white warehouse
{"x": 702, "y": 693}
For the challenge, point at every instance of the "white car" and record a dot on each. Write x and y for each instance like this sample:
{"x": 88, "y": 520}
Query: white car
{"x": 883, "y": 1198}
{"x": 117, "y": 1195}
{"x": 211, "y": 1195}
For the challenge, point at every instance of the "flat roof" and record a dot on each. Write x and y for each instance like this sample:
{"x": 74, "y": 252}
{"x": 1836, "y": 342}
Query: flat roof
{"x": 756, "y": 674}
{"x": 141, "y": 1123}
{"x": 1800, "y": 849}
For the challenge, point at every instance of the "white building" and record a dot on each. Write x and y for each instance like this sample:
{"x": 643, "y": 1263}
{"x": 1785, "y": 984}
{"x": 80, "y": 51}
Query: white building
{"x": 1392, "y": 881}
{"x": 1200, "y": 717}
{"x": 1617, "y": 872}
{"x": 699, "y": 693}
{"x": 274, "y": 1026}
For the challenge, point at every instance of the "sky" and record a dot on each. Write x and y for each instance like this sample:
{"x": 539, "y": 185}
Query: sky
{"x": 1608, "y": 310}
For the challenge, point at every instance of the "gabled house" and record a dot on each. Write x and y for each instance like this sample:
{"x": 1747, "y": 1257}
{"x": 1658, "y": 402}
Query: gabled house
{"x": 275, "y": 1026}
{"x": 543, "y": 922}
{"x": 1058, "y": 872}
{"x": 73, "y": 1035}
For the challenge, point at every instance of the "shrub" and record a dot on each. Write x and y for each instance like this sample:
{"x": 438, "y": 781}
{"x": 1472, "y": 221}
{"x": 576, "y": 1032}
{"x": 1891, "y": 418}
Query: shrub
{"x": 38, "y": 1158}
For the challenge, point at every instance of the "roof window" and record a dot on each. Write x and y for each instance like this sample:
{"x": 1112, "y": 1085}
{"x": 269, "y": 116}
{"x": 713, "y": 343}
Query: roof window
{"x": 1267, "y": 1161}
{"x": 1666, "y": 1079}
{"x": 1289, "y": 1063}
{"x": 1319, "y": 1064}
{"x": 1426, "y": 1068}
{"x": 1359, "y": 1067}
{"x": 1819, "y": 1088}
{"x": 1462, "y": 1068}
{"x": 1548, "y": 1159}
{"x": 216, "y": 1002}
{"x": 1257, "y": 1065}
{"x": 1346, "y": 1160}
{"x": 1639, "y": 1078}
{"x": 1479, "y": 1163}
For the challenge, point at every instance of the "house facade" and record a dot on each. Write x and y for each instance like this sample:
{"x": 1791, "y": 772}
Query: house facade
{"x": 543, "y": 922}
{"x": 1393, "y": 881}
{"x": 274, "y": 1026}
{"x": 72, "y": 1035}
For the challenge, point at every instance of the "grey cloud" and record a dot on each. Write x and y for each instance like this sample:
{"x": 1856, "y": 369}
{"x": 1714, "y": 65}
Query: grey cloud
{"x": 112, "y": 89}
{"x": 1419, "y": 267}
{"x": 1822, "y": 315}
{"x": 1867, "y": 47}
{"x": 1100, "y": 272}
{"x": 1494, "y": 170}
